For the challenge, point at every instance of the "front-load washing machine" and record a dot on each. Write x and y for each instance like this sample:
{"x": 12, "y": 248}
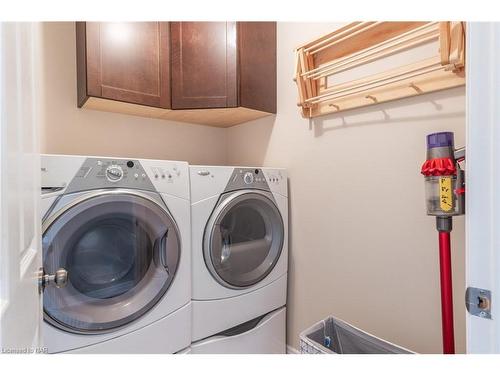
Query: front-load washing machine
{"x": 239, "y": 252}
{"x": 116, "y": 255}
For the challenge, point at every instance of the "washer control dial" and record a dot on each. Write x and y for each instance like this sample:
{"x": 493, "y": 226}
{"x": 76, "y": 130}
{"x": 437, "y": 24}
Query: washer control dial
{"x": 114, "y": 173}
{"x": 248, "y": 178}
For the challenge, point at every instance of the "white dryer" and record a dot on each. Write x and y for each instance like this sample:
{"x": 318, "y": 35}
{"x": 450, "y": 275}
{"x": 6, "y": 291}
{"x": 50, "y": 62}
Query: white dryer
{"x": 116, "y": 252}
{"x": 239, "y": 248}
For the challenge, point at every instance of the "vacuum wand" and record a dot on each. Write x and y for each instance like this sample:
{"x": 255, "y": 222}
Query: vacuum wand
{"x": 448, "y": 332}
{"x": 445, "y": 198}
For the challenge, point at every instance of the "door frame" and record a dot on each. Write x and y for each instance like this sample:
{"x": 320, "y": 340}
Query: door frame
{"x": 20, "y": 244}
{"x": 483, "y": 184}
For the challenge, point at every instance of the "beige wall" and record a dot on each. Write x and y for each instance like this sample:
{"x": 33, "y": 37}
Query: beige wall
{"x": 361, "y": 246}
{"x": 70, "y": 130}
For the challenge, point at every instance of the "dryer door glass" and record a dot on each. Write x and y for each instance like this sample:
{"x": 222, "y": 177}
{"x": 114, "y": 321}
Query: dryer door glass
{"x": 121, "y": 252}
{"x": 245, "y": 239}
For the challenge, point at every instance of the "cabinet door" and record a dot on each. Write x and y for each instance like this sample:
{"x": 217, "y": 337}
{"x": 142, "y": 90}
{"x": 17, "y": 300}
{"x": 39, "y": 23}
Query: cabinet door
{"x": 257, "y": 65}
{"x": 129, "y": 61}
{"x": 204, "y": 59}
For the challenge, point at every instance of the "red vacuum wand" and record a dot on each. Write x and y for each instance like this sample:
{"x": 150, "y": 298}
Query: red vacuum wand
{"x": 445, "y": 196}
{"x": 446, "y": 293}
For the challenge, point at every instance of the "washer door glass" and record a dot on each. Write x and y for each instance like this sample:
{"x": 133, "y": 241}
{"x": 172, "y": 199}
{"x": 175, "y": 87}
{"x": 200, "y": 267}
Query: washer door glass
{"x": 243, "y": 241}
{"x": 121, "y": 252}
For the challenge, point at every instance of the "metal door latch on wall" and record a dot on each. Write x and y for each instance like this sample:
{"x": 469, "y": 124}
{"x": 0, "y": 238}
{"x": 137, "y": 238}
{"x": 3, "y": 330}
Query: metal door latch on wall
{"x": 478, "y": 302}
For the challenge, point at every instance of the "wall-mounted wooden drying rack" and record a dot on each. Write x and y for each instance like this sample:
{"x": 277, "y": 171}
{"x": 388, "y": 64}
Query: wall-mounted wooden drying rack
{"x": 361, "y": 43}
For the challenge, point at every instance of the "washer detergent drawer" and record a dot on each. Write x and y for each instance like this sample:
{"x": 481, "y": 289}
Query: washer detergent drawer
{"x": 267, "y": 336}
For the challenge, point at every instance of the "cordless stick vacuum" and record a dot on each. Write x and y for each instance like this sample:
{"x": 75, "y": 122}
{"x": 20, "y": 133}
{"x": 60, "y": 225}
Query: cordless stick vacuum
{"x": 445, "y": 198}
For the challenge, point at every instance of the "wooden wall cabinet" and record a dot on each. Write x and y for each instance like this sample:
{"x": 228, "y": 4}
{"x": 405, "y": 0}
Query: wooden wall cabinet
{"x": 204, "y": 64}
{"x": 127, "y": 61}
{"x": 212, "y": 73}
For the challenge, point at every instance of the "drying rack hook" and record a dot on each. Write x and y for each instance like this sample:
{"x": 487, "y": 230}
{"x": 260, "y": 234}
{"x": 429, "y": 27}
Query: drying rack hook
{"x": 416, "y": 88}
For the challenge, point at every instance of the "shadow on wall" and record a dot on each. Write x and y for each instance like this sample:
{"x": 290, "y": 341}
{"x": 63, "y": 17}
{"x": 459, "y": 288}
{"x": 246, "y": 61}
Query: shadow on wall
{"x": 291, "y": 263}
{"x": 352, "y": 118}
{"x": 256, "y": 154}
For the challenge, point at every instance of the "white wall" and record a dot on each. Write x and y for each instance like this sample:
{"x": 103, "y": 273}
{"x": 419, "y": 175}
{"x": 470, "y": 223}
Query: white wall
{"x": 361, "y": 246}
{"x": 71, "y": 130}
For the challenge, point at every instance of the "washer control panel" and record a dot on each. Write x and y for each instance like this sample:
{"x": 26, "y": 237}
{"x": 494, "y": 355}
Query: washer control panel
{"x": 114, "y": 173}
{"x": 166, "y": 174}
{"x": 77, "y": 173}
{"x": 248, "y": 178}
{"x": 274, "y": 177}
{"x": 101, "y": 173}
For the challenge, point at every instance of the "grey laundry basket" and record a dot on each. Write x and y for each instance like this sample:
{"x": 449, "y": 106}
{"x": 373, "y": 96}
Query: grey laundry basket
{"x": 334, "y": 336}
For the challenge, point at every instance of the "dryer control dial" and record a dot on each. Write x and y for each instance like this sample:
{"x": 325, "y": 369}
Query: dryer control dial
{"x": 114, "y": 173}
{"x": 248, "y": 178}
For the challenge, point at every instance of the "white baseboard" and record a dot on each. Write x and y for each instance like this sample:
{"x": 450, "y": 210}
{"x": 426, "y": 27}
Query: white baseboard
{"x": 291, "y": 350}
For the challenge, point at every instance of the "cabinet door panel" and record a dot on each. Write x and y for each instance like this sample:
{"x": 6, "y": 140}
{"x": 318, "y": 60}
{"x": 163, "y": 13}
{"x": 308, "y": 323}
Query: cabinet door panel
{"x": 129, "y": 61}
{"x": 257, "y": 57}
{"x": 204, "y": 59}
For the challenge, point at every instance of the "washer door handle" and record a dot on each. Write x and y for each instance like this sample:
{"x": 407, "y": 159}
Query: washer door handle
{"x": 163, "y": 251}
{"x": 226, "y": 244}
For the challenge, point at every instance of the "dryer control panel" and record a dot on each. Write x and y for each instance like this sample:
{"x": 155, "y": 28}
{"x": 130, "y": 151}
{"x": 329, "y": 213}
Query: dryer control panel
{"x": 244, "y": 178}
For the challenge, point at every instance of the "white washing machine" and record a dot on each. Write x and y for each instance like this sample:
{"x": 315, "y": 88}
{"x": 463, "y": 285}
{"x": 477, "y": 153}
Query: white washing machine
{"x": 116, "y": 252}
{"x": 239, "y": 250}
